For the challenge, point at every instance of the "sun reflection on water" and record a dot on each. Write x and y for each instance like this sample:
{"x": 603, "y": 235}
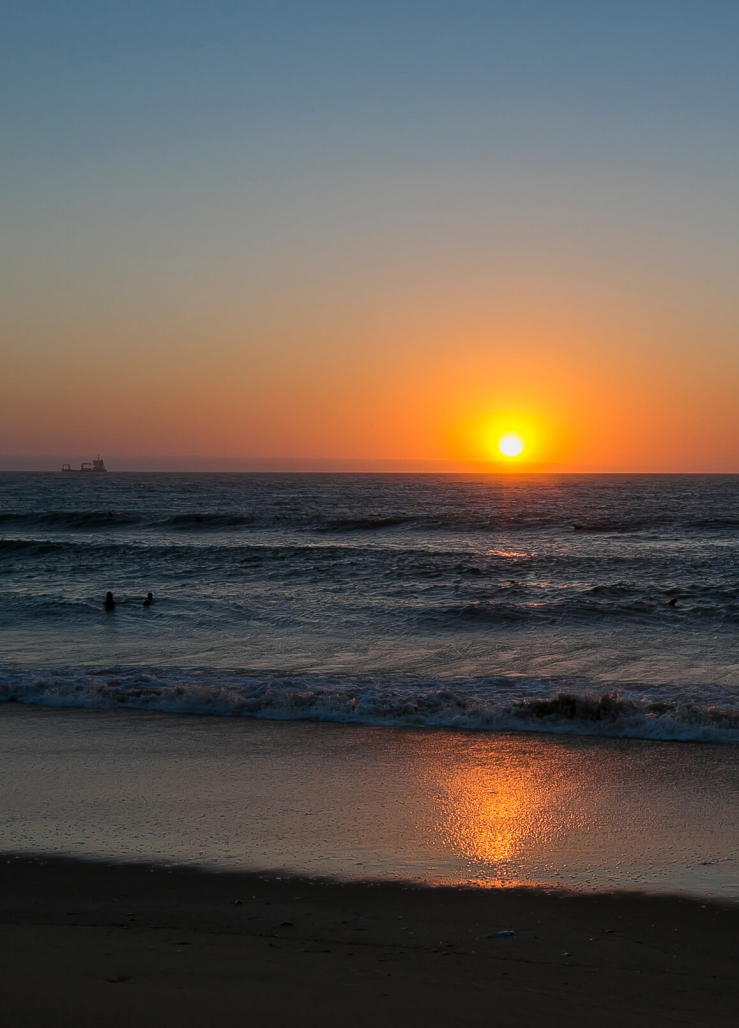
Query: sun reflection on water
{"x": 488, "y": 816}
{"x": 503, "y": 816}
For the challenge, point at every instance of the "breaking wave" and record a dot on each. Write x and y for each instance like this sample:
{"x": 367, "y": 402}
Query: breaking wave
{"x": 502, "y": 704}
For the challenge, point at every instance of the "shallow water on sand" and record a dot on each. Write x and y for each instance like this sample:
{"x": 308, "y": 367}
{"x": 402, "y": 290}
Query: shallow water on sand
{"x": 349, "y": 801}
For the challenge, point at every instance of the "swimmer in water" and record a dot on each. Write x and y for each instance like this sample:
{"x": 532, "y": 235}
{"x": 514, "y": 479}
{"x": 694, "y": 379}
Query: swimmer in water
{"x": 109, "y": 602}
{"x": 148, "y": 601}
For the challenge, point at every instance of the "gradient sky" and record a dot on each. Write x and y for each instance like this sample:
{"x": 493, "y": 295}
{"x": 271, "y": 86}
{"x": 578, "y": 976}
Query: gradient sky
{"x": 376, "y": 230}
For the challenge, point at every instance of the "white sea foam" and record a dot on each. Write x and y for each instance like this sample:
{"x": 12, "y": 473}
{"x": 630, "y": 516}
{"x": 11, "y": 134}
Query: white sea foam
{"x": 502, "y": 704}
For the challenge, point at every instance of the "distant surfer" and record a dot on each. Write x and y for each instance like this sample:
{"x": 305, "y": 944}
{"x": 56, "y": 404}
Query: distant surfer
{"x": 149, "y": 600}
{"x": 109, "y": 602}
{"x": 672, "y": 602}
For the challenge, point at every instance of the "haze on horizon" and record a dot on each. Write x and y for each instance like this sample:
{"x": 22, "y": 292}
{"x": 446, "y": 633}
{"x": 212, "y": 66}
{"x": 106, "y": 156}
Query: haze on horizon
{"x": 342, "y": 231}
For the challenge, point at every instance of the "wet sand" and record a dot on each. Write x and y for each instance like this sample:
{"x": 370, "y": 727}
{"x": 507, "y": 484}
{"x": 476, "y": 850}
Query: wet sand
{"x": 90, "y": 944}
{"x": 356, "y": 802}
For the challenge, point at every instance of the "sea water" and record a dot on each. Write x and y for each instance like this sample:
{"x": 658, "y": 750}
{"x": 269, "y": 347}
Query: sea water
{"x": 538, "y": 677}
{"x": 605, "y": 605}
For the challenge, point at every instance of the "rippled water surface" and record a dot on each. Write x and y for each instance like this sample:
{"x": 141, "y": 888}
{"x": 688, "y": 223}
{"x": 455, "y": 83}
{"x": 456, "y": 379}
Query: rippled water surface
{"x": 579, "y": 604}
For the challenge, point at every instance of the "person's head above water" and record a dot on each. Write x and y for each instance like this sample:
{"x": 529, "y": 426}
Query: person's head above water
{"x": 109, "y": 601}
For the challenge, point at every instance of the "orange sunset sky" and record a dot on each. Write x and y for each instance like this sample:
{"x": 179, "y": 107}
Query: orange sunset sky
{"x": 373, "y": 233}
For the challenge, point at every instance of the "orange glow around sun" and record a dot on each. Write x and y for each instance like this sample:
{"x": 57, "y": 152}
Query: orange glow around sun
{"x": 513, "y": 439}
{"x": 511, "y": 444}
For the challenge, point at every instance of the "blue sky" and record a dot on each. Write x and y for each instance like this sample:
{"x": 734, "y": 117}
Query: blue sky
{"x": 166, "y": 161}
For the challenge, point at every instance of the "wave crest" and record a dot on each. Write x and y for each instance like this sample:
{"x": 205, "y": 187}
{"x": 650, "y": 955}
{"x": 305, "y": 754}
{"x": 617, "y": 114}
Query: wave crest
{"x": 503, "y": 704}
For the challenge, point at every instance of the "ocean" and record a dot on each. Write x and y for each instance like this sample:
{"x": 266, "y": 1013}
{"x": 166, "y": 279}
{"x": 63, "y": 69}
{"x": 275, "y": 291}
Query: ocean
{"x": 477, "y": 679}
{"x": 600, "y": 605}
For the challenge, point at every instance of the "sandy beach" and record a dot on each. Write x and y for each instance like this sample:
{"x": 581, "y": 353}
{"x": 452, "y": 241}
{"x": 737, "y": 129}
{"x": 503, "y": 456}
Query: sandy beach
{"x": 88, "y": 944}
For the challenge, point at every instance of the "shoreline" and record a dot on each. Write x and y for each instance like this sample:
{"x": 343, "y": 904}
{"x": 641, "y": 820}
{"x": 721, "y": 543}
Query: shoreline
{"x": 90, "y": 943}
{"x": 565, "y": 715}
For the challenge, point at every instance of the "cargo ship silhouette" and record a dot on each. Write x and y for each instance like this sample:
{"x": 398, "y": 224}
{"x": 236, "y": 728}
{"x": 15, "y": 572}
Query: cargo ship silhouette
{"x": 89, "y": 467}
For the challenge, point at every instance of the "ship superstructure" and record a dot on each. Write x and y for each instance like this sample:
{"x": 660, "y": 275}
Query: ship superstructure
{"x": 90, "y": 467}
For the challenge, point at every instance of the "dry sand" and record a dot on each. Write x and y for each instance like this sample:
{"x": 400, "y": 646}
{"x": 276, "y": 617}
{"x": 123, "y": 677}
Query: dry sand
{"x": 84, "y": 944}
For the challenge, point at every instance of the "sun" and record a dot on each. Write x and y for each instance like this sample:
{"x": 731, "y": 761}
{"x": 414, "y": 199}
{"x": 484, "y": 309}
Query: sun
{"x": 510, "y": 444}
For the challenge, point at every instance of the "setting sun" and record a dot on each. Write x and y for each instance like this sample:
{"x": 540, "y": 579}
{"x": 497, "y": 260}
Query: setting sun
{"x": 510, "y": 444}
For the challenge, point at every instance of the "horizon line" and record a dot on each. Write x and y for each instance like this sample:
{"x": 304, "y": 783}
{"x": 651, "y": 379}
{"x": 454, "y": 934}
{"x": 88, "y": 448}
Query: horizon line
{"x": 143, "y": 464}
